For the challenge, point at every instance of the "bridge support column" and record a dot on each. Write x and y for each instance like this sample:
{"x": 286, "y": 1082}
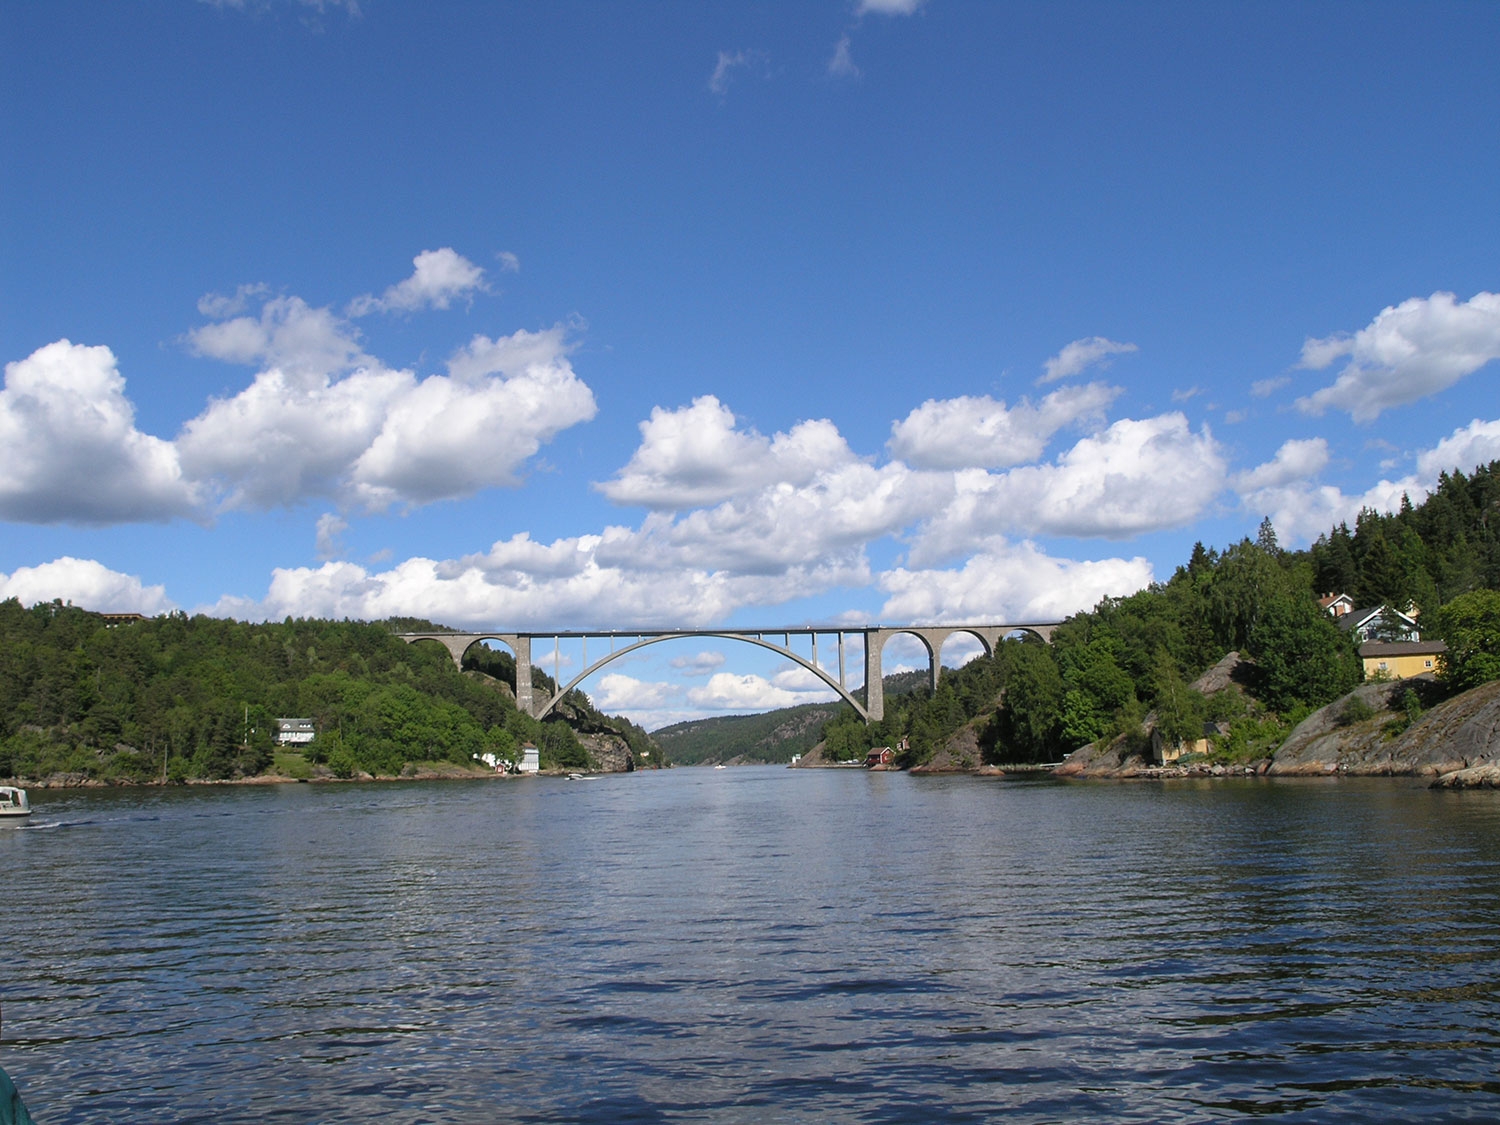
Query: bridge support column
{"x": 874, "y": 677}
{"x": 522, "y": 645}
{"x": 457, "y": 645}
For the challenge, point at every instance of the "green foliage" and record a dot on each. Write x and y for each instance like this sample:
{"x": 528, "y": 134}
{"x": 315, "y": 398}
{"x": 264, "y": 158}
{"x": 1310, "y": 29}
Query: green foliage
{"x": 1411, "y": 706}
{"x": 1470, "y": 627}
{"x": 559, "y": 747}
{"x": 846, "y": 738}
{"x": 1355, "y": 710}
{"x": 1095, "y": 688}
{"x": 1180, "y": 711}
{"x": 1028, "y": 728}
{"x": 1251, "y": 736}
{"x": 1301, "y": 654}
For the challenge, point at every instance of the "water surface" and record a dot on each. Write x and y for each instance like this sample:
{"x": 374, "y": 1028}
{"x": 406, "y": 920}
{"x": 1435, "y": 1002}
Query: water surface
{"x": 755, "y": 945}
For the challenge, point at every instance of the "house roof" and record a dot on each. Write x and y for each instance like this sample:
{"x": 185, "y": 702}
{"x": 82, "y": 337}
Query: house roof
{"x": 1402, "y": 648}
{"x": 1357, "y": 619}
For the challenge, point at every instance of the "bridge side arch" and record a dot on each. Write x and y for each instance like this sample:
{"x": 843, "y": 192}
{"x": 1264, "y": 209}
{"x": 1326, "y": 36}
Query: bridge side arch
{"x": 459, "y": 643}
{"x": 875, "y": 642}
{"x": 780, "y": 650}
{"x": 456, "y": 643}
{"x": 933, "y": 637}
{"x": 1041, "y": 631}
{"x": 988, "y": 638}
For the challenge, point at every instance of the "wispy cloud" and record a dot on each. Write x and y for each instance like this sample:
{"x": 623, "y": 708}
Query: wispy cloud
{"x": 841, "y": 65}
{"x": 888, "y": 7}
{"x": 1081, "y": 355}
{"x": 1263, "y": 387}
{"x": 730, "y": 64}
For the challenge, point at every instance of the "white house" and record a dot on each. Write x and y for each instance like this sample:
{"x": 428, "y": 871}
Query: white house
{"x": 1382, "y": 623}
{"x": 295, "y": 732}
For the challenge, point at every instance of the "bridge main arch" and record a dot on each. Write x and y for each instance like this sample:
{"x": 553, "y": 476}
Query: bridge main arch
{"x": 784, "y": 650}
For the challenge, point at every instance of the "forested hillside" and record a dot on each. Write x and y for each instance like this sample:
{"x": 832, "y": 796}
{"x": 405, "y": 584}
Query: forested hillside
{"x": 194, "y": 697}
{"x": 1105, "y": 669}
{"x": 767, "y": 737}
{"x": 773, "y": 736}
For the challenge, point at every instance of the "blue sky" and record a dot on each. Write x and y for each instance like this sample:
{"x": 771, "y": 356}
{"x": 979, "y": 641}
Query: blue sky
{"x": 589, "y": 315}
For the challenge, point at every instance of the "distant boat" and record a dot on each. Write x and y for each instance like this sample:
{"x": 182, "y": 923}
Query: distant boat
{"x": 13, "y": 803}
{"x": 721, "y": 766}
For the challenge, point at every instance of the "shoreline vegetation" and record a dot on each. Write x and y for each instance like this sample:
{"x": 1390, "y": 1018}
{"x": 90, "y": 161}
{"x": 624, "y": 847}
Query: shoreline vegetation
{"x": 413, "y": 771}
{"x": 1231, "y": 667}
{"x": 181, "y": 699}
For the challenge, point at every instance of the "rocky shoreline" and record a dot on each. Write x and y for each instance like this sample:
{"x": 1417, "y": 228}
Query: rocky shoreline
{"x": 1455, "y": 744}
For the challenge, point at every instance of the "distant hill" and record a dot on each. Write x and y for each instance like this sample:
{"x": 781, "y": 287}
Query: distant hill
{"x": 768, "y": 738}
{"x": 772, "y": 737}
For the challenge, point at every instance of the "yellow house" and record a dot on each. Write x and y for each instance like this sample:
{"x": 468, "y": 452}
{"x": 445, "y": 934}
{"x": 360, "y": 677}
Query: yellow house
{"x": 1400, "y": 660}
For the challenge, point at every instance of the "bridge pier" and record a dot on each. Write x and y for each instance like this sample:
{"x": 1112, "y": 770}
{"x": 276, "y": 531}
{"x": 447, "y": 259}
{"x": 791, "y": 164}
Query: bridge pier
{"x": 522, "y": 646}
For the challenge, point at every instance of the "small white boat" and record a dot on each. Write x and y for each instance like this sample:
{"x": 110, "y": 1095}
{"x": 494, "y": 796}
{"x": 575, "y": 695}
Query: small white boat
{"x": 13, "y": 803}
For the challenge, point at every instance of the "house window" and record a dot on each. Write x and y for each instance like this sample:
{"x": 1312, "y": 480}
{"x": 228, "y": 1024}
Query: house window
{"x": 1382, "y": 666}
{"x": 1427, "y": 664}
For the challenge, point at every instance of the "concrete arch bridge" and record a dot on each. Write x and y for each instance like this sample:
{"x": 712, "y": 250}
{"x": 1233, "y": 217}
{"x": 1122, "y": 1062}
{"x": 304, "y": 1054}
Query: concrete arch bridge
{"x": 780, "y": 641}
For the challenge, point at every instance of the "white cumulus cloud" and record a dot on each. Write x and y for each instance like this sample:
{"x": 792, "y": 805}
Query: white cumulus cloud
{"x": 438, "y": 278}
{"x": 327, "y": 544}
{"x": 1476, "y": 444}
{"x": 786, "y": 528}
{"x": 978, "y": 432}
{"x": 619, "y": 694}
{"x": 1007, "y": 582}
{"x": 699, "y": 664}
{"x": 1286, "y": 488}
{"x": 452, "y": 435}
{"x": 1303, "y": 510}
{"x": 1296, "y": 460}
{"x": 1137, "y": 475}
{"x": 1409, "y": 351}
{"x": 504, "y": 584}
{"x": 87, "y": 584}
{"x": 289, "y": 335}
{"x": 378, "y": 437}
{"x": 696, "y": 456}
{"x": 726, "y": 691}
{"x": 69, "y": 448}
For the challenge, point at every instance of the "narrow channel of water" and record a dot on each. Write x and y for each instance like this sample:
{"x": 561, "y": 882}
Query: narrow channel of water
{"x": 754, "y": 945}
